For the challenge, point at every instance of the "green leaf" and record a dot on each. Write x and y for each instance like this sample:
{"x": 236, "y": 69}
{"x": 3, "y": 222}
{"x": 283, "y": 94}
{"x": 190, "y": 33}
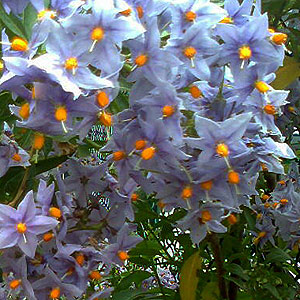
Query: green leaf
{"x": 210, "y": 291}
{"x": 237, "y": 270}
{"x": 12, "y": 23}
{"x": 286, "y": 74}
{"x": 30, "y": 17}
{"x": 250, "y": 218}
{"x": 136, "y": 277}
{"x": 277, "y": 255}
{"x": 188, "y": 277}
{"x": 272, "y": 289}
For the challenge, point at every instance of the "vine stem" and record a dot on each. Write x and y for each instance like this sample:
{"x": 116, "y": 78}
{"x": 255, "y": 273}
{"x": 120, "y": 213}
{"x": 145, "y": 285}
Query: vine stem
{"x": 214, "y": 241}
{"x": 21, "y": 189}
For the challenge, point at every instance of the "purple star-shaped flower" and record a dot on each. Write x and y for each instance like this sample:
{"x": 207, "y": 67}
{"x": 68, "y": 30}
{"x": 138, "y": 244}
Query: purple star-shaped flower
{"x": 21, "y": 226}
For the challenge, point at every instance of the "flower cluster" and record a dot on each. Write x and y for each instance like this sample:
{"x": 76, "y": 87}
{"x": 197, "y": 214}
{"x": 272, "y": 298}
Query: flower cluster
{"x": 199, "y": 129}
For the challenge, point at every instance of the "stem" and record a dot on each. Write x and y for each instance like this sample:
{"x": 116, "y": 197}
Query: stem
{"x": 214, "y": 241}
{"x": 21, "y": 189}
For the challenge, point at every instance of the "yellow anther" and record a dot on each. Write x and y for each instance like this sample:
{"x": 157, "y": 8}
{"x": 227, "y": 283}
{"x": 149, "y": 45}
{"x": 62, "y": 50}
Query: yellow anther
{"x": 206, "y": 185}
{"x": 126, "y": 12}
{"x": 222, "y": 150}
{"x": 123, "y": 255}
{"x": 148, "y": 153}
{"x": 189, "y": 52}
{"x": 80, "y": 259}
{"x": 187, "y": 192}
{"x": 17, "y": 157}
{"x": 15, "y": 283}
{"x": 279, "y": 38}
{"x": 284, "y": 201}
{"x": 168, "y": 111}
{"x": 134, "y": 197}
{"x": 245, "y": 52}
{"x": 71, "y": 64}
{"x": 140, "y": 144}
{"x": 226, "y": 20}
{"x": 233, "y": 177}
{"x": 38, "y": 141}
{"x": 232, "y": 219}
{"x": 205, "y": 216}
{"x": 21, "y": 228}
{"x": 102, "y": 99}
{"x": 140, "y": 11}
{"x": 270, "y": 109}
{"x": 261, "y": 86}
{"x": 55, "y": 212}
{"x": 19, "y": 44}
{"x": 141, "y": 60}
{"x": 190, "y": 16}
{"x": 97, "y": 34}
{"x": 118, "y": 155}
{"x": 195, "y": 92}
{"x": 55, "y": 293}
{"x": 95, "y": 274}
{"x": 61, "y": 114}
{"x": 47, "y": 237}
{"x": 105, "y": 119}
{"x": 24, "y": 111}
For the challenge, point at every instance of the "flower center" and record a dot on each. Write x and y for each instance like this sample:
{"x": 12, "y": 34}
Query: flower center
{"x": 80, "y": 259}
{"x": 227, "y": 20}
{"x": 148, "y": 153}
{"x": 270, "y": 109}
{"x": 55, "y": 293}
{"x": 195, "y": 92}
{"x": 95, "y": 274}
{"x": 190, "y": 16}
{"x": 232, "y": 219}
{"x": 233, "y": 177}
{"x": 168, "y": 111}
{"x": 61, "y": 114}
{"x": 187, "y": 192}
{"x": 261, "y": 86}
{"x": 140, "y": 11}
{"x": 189, "y": 52}
{"x": 140, "y": 144}
{"x": 262, "y": 234}
{"x": 222, "y": 150}
{"x": 46, "y": 14}
{"x": 126, "y": 12}
{"x": 71, "y": 63}
{"x": 279, "y": 38}
{"x": 245, "y": 52}
{"x": 123, "y": 255}
{"x": 205, "y": 216}
{"x": 19, "y": 44}
{"x": 102, "y": 99}
{"x": 206, "y": 185}
{"x": 118, "y": 155}
{"x": 47, "y": 237}
{"x": 134, "y": 197}
{"x": 141, "y": 60}
{"x": 21, "y": 228}
{"x": 24, "y": 111}
{"x": 17, "y": 157}
{"x": 284, "y": 201}
{"x": 55, "y": 212}
{"x": 15, "y": 283}
{"x": 105, "y": 119}
{"x": 97, "y": 34}
{"x": 38, "y": 141}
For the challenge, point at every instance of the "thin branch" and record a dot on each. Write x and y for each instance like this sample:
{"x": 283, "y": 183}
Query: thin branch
{"x": 214, "y": 241}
